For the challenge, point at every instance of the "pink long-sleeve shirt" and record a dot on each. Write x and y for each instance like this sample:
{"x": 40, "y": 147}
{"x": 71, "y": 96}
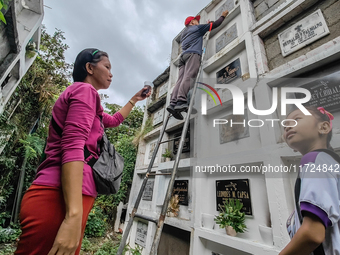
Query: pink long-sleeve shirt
{"x": 77, "y": 111}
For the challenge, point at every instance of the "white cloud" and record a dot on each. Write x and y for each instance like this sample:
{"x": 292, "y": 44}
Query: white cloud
{"x": 137, "y": 35}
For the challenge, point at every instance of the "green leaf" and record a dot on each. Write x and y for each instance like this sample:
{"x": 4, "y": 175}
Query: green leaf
{"x": 2, "y": 18}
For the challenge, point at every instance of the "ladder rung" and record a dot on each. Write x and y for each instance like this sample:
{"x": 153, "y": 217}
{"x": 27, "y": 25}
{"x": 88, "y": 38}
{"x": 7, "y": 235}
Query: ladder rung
{"x": 170, "y": 139}
{"x": 146, "y": 218}
{"x": 160, "y": 174}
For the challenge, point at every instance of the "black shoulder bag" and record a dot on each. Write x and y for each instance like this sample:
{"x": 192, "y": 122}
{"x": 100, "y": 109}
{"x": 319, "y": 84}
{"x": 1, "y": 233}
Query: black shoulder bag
{"x": 297, "y": 189}
{"x": 107, "y": 169}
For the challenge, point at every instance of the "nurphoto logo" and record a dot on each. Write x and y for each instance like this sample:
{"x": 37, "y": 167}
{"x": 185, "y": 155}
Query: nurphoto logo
{"x": 238, "y": 104}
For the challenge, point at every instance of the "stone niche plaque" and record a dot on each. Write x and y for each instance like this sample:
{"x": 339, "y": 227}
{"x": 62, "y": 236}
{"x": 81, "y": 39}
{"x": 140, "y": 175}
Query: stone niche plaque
{"x": 235, "y": 189}
{"x": 142, "y": 233}
{"x": 237, "y": 131}
{"x": 181, "y": 189}
{"x": 148, "y": 191}
{"x": 302, "y": 33}
{"x": 226, "y": 38}
{"x": 186, "y": 146}
{"x": 228, "y": 5}
{"x": 229, "y": 73}
{"x": 163, "y": 89}
{"x": 158, "y": 117}
{"x": 152, "y": 147}
{"x": 325, "y": 92}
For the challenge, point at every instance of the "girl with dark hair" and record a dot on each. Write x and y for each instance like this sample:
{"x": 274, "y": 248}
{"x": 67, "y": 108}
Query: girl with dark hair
{"x": 314, "y": 226}
{"x": 54, "y": 210}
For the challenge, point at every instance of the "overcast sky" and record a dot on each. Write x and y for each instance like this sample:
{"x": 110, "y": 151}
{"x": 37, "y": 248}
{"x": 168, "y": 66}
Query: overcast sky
{"x": 137, "y": 35}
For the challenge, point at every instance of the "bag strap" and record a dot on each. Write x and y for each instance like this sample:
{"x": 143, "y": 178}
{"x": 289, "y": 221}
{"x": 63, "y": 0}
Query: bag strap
{"x": 56, "y": 127}
{"x": 87, "y": 153}
{"x": 297, "y": 190}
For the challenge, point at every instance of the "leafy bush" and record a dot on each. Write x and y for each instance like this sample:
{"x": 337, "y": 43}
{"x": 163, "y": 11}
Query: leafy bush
{"x": 4, "y": 216}
{"x": 130, "y": 125}
{"x": 8, "y": 249}
{"x": 136, "y": 251}
{"x": 10, "y": 233}
{"x": 128, "y": 150}
{"x": 108, "y": 248}
{"x": 231, "y": 215}
{"x": 87, "y": 246}
{"x": 96, "y": 223}
{"x": 142, "y": 131}
{"x": 37, "y": 91}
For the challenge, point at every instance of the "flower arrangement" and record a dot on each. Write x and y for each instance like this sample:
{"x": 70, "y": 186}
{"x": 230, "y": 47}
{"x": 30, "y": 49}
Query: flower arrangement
{"x": 231, "y": 216}
{"x": 173, "y": 207}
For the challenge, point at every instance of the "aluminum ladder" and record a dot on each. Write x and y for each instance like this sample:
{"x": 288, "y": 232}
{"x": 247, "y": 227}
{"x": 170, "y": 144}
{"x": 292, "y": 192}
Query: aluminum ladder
{"x": 160, "y": 221}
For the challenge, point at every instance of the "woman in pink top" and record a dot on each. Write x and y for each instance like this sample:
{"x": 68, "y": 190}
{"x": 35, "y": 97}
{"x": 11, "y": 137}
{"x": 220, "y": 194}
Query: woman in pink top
{"x": 55, "y": 208}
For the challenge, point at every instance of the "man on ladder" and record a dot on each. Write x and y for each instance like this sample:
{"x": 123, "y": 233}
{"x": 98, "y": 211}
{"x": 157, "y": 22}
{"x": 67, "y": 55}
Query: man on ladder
{"x": 190, "y": 61}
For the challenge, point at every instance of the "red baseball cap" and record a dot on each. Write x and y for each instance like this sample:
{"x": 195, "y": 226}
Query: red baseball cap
{"x": 190, "y": 18}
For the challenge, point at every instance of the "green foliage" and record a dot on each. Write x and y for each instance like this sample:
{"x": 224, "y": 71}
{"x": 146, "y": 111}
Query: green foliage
{"x": 136, "y": 251}
{"x": 32, "y": 146}
{"x": 6, "y": 185}
{"x": 107, "y": 204}
{"x": 40, "y": 87}
{"x": 108, "y": 248}
{"x": 31, "y": 49}
{"x": 6, "y": 128}
{"x": 10, "y": 233}
{"x": 5, "y": 4}
{"x": 128, "y": 150}
{"x": 2, "y": 17}
{"x": 4, "y": 216}
{"x": 96, "y": 223}
{"x": 87, "y": 246}
{"x": 3, "y": 8}
{"x": 130, "y": 124}
{"x": 231, "y": 215}
{"x": 142, "y": 131}
{"x": 8, "y": 250}
{"x": 38, "y": 90}
{"x": 167, "y": 153}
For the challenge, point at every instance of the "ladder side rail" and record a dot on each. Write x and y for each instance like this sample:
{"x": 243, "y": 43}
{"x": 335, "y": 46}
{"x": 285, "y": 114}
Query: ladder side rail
{"x": 179, "y": 152}
{"x": 140, "y": 194}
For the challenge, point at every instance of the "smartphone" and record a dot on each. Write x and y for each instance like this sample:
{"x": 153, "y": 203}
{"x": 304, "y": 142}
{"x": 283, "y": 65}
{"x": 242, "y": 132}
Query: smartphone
{"x": 148, "y": 85}
{"x": 146, "y": 91}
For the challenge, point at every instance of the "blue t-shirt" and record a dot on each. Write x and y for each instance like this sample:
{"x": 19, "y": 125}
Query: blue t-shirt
{"x": 192, "y": 38}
